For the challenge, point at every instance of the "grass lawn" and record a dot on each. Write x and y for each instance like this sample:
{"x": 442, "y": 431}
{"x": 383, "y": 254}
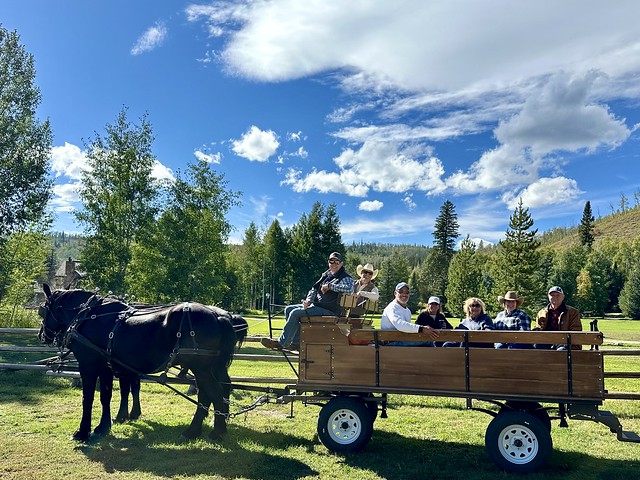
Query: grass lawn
{"x": 424, "y": 437}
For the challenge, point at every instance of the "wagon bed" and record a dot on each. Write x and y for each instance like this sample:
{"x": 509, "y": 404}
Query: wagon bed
{"x": 348, "y": 364}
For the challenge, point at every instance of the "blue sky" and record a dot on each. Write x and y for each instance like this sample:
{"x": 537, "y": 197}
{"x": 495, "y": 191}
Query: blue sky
{"x": 386, "y": 109}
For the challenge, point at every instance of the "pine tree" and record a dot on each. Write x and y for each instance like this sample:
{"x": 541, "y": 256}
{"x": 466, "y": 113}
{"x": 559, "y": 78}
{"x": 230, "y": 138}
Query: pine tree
{"x": 516, "y": 263}
{"x": 585, "y": 230}
{"x": 445, "y": 232}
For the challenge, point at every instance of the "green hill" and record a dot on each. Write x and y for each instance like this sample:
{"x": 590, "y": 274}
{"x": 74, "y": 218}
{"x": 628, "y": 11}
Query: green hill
{"x": 617, "y": 226}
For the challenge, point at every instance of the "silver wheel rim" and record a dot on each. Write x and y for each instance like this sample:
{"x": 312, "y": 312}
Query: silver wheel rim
{"x": 345, "y": 426}
{"x": 518, "y": 444}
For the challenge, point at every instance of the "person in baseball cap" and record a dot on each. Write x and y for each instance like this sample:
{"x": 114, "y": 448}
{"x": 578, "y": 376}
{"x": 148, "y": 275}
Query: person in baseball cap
{"x": 433, "y": 317}
{"x": 558, "y": 316}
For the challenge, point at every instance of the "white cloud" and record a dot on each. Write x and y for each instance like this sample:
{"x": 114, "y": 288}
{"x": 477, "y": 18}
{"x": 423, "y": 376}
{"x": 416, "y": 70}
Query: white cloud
{"x": 209, "y": 158}
{"x": 256, "y": 145}
{"x": 408, "y": 201}
{"x": 160, "y": 172}
{"x": 370, "y": 206}
{"x": 149, "y": 40}
{"x": 287, "y": 39}
{"x": 68, "y": 160}
{"x": 380, "y": 166}
{"x": 65, "y": 196}
{"x": 546, "y": 191}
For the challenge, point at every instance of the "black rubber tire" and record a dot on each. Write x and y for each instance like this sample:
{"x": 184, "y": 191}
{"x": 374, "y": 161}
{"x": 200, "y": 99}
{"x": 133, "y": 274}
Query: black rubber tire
{"x": 533, "y": 408}
{"x": 345, "y": 425}
{"x": 518, "y": 442}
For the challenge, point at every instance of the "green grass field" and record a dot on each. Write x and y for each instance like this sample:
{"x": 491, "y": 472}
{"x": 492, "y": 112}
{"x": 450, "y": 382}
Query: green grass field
{"x": 424, "y": 437}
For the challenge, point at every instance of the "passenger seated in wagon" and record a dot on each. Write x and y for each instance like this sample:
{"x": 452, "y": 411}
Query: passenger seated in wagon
{"x": 365, "y": 289}
{"x": 397, "y": 316}
{"x": 322, "y": 300}
{"x": 512, "y": 318}
{"x": 476, "y": 319}
{"x": 558, "y": 316}
{"x": 433, "y": 317}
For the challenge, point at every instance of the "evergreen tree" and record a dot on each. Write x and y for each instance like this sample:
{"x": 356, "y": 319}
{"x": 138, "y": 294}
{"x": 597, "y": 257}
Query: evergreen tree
{"x": 432, "y": 275}
{"x": 599, "y": 267}
{"x": 445, "y": 232}
{"x": 630, "y": 295}
{"x": 465, "y": 277}
{"x": 277, "y": 257}
{"x": 118, "y": 200}
{"x": 516, "y": 262}
{"x": 566, "y": 267}
{"x": 313, "y": 239}
{"x": 585, "y": 230}
{"x": 251, "y": 266}
{"x": 183, "y": 256}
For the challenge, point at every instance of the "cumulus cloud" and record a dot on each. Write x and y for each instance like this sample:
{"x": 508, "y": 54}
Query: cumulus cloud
{"x": 256, "y": 145}
{"x": 65, "y": 197}
{"x": 150, "y": 39}
{"x": 161, "y": 172}
{"x": 380, "y": 166}
{"x": 370, "y": 206}
{"x": 408, "y": 201}
{"x": 68, "y": 160}
{"x": 545, "y": 191}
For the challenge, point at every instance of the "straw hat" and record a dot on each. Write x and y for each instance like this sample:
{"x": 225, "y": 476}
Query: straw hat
{"x": 511, "y": 295}
{"x": 367, "y": 267}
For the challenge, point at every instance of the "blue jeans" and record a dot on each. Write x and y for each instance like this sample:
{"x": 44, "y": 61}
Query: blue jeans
{"x": 293, "y": 314}
{"x": 406, "y": 343}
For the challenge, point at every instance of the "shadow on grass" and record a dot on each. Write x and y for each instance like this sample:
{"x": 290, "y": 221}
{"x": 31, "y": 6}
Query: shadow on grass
{"x": 29, "y": 387}
{"x": 154, "y": 449}
{"x": 247, "y": 453}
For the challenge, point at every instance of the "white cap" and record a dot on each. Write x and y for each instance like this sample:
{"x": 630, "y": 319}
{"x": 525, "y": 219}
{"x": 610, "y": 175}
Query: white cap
{"x": 434, "y": 300}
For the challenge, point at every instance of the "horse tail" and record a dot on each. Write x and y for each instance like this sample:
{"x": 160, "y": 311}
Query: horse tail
{"x": 241, "y": 328}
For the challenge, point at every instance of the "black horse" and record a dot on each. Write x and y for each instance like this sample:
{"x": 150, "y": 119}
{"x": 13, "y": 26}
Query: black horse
{"x": 107, "y": 335}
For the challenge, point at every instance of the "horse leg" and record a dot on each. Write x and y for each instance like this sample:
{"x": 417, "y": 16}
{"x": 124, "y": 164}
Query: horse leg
{"x": 204, "y": 400}
{"x": 123, "y": 411}
{"x": 221, "y": 398}
{"x": 106, "y": 391}
{"x": 136, "y": 411}
{"x": 89, "y": 381}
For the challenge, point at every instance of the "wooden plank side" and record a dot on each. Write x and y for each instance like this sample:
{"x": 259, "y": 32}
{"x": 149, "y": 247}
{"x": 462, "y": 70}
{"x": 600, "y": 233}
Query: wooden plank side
{"x": 588, "y": 374}
{"x": 315, "y": 363}
{"x": 323, "y": 333}
{"x": 422, "y": 367}
{"x": 354, "y": 365}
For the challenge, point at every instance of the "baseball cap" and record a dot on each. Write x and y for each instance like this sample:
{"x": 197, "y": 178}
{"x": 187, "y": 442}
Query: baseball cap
{"x": 335, "y": 255}
{"x": 402, "y": 284}
{"x": 555, "y": 289}
{"x": 434, "y": 300}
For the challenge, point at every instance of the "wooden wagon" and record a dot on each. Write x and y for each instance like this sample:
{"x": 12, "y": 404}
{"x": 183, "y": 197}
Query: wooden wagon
{"x": 349, "y": 368}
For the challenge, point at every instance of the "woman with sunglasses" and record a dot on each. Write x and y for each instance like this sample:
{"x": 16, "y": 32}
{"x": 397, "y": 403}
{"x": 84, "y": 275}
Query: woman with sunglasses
{"x": 476, "y": 319}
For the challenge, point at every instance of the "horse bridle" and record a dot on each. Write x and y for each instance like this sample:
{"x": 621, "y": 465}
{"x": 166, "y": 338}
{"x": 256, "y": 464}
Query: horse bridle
{"x": 56, "y": 335}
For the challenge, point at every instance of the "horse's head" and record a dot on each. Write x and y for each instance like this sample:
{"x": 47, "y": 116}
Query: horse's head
{"x": 58, "y": 311}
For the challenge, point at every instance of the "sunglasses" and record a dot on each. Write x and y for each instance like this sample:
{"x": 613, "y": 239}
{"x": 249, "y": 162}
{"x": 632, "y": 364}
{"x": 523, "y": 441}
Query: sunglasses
{"x": 475, "y": 305}
{"x": 334, "y": 262}
{"x": 364, "y": 272}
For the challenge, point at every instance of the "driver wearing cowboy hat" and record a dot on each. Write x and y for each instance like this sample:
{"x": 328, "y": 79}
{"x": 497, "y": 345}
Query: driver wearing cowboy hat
{"x": 365, "y": 289}
{"x": 512, "y": 318}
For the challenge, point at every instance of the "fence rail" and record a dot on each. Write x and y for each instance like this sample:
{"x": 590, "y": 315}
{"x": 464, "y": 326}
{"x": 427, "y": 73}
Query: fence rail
{"x": 39, "y": 366}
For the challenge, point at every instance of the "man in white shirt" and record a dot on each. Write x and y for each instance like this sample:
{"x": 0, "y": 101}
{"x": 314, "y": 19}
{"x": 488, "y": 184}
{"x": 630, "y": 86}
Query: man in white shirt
{"x": 397, "y": 316}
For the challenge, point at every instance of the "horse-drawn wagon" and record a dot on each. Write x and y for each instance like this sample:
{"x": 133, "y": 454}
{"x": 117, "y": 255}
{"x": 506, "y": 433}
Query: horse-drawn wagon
{"x": 349, "y": 368}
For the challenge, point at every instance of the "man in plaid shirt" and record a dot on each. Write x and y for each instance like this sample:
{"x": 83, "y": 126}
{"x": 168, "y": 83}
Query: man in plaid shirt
{"x": 512, "y": 318}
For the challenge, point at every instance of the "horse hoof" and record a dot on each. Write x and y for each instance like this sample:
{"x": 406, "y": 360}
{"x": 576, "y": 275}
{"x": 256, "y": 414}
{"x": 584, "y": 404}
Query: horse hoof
{"x": 135, "y": 415}
{"x": 80, "y": 436}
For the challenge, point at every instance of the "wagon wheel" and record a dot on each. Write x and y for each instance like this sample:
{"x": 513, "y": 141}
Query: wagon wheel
{"x": 345, "y": 425}
{"x": 518, "y": 442}
{"x": 533, "y": 408}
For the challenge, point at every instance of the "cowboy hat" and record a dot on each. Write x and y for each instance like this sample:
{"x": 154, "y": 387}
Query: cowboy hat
{"x": 511, "y": 295}
{"x": 367, "y": 267}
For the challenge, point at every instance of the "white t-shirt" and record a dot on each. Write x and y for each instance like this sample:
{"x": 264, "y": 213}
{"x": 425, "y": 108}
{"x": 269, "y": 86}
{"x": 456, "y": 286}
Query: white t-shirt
{"x": 397, "y": 317}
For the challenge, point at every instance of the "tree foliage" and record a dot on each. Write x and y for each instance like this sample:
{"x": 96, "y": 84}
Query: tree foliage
{"x": 118, "y": 198}
{"x": 517, "y": 260}
{"x": 585, "y": 230}
{"x": 445, "y": 231}
{"x": 25, "y": 145}
{"x": 465, "y": 277}
{"x": 630, "y": 295}
{"x": 184, "y": 257}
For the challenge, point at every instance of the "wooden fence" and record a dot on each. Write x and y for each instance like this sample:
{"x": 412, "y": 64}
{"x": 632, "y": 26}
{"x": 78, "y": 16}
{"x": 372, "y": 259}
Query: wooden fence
{"x": 40, "y": 365}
